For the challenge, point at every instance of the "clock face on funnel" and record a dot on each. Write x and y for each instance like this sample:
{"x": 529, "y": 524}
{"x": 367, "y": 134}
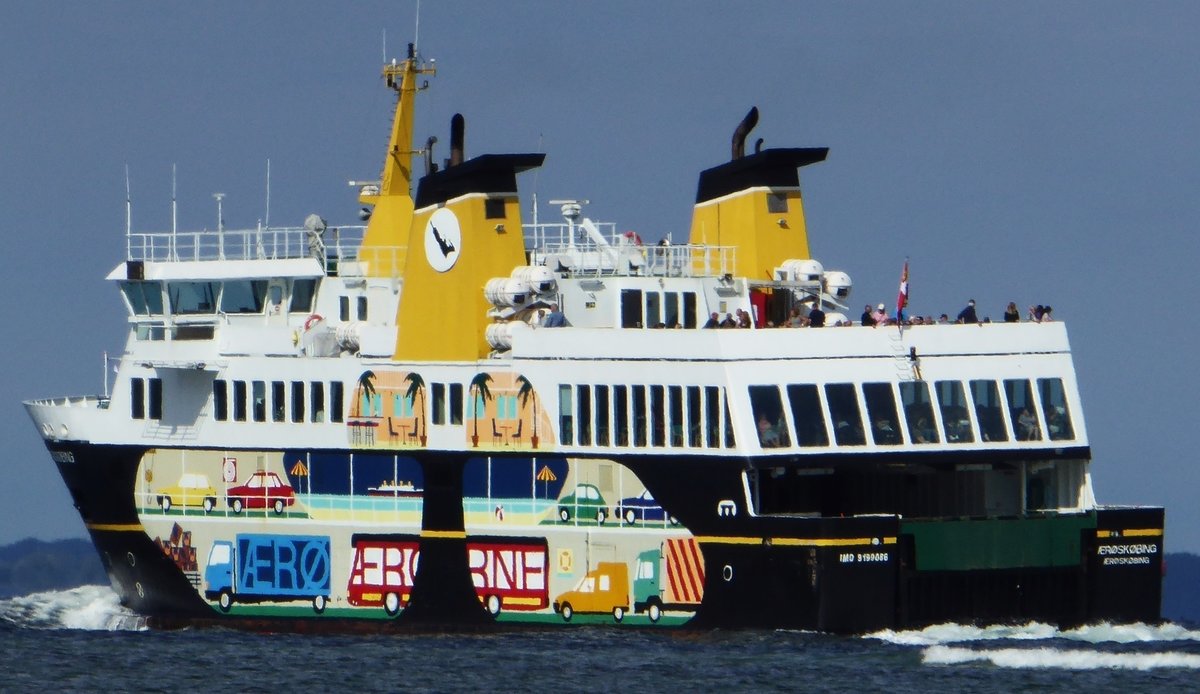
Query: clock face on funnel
{"x": 443, "y": 240}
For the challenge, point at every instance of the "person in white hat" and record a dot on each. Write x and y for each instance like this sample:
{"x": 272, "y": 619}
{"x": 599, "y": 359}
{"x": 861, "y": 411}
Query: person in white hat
{"x": 881, "y": 316}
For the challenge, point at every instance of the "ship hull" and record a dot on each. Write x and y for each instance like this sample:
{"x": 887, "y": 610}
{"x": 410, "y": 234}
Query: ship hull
{"x": 460, "y": 557}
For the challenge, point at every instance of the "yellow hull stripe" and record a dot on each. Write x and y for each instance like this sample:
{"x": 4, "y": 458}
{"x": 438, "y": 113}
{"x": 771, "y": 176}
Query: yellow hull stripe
{"x": 1137, "y": 532}
{"x": 117, "y": 527}
{"x": 446, "y": 534}
{"x": 797, "y": 541}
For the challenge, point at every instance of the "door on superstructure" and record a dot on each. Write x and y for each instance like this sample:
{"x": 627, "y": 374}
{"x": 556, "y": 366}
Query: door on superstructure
{"x": 276, "y": 306}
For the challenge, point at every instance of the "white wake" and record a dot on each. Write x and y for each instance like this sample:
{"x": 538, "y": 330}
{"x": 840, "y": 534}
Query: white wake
{"x": 942, "y": 634}
{"x": 1055, "y": 658}
{"x": 91, "y": 608}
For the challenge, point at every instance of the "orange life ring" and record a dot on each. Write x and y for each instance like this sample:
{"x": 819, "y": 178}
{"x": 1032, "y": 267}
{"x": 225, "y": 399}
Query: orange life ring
{"x": 312, "y": 320}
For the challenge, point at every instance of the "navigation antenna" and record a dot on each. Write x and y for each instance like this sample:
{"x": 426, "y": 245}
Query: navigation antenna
{"x": 268, "y": 224}
{"x": 128, "y": 205}
{"x": 174, "y": 216}
{"x": 417, "y": 30}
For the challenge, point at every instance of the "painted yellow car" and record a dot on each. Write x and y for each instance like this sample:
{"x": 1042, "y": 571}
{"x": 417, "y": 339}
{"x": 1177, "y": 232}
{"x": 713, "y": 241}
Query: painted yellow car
{"x": 191, "y": 490}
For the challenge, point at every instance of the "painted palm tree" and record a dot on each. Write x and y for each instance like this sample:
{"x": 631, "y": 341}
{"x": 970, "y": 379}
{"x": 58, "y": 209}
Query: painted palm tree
{"x": 479, "y": 391}
{"x": 366, "y": 385}
{"x": 526, "y": 393}
{"x": 416, "y": 388}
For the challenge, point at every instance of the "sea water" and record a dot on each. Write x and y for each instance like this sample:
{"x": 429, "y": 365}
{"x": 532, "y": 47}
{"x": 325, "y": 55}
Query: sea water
{"x": 82, "y": 640}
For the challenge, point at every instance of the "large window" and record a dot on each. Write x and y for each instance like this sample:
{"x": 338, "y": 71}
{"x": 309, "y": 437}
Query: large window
{"x": 137, "y": 398}
{"x": 712, "y": 416}
{"x": 843, "y": 411}
{"x": 918, "y": 412}
{"x": 239, "y": 401}
{"x": 584, "y": 394}
{"x": 989, "y": 410}
{"x": 621, "y": 414}
{"x": 192, "y": 297}
{"x": 145, "y": 298}
{"x": 297, "y": 401}
{"x": 220, "y": 400}
{"x": 244, "y": 296}
{"x": 278, "y": 402}
{"x": 258, "y": 394}
{"x": 439, "y": 403}
{"x": 1022, "y": 410}
{"x": 658, "y": 425}
{"x": 302, "y": 295}
{"x": 881, "y": 411}
{"x": 695, "y": 429}
{"x": 639, "y": 416}
{"x": 769, "y": 421}
{"x": 653, "y": 310}
{"x": 337, "y": 404}
{"x": 601, "y": 411}
{"x": 566, "y": 429}
{"x": 631, "y": 308}
{"x": 316, "y": 395}
{"x": 1054, "y": 405}
{"x": 456, "y": 405}
{"x": 675, "y": 402}
{"x": 956, "y": 420}
{"x": 805, "y": 401}
{"x": 156, "y": 398}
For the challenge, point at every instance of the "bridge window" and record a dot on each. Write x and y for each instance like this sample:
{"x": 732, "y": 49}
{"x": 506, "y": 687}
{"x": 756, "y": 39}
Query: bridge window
{"x": 881, "y": 410}
{"x": 1022, "y": 410}
{"x": 768, "y": 417}
{"x": 302, "y": 295}
{"x": 246, "y": 296}
{"x": 988, "y": 410}
{"x": 805, "y": 401}
{"x": 671, "y": 309}
{"x": 1054, "y": 404}
{"x": 145, "y": 298}
{"x": 845, "y": 415}
{"x": 956, "y": 421}
{"x": 689, "y": 310}
{"x": 189, "y": 298}
{"x": 653, "y": 314}
{"x": 918, "y": 412}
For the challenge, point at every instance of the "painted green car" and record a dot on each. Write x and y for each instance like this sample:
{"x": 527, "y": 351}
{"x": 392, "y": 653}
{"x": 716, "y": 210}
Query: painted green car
{"x": 191, "y": 490}
{"x": 585, "y": 502}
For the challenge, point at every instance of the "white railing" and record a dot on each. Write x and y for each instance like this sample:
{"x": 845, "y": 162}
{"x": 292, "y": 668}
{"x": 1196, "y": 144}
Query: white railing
{"x": 261, "y": 243}
{"x": 596, "y": 248}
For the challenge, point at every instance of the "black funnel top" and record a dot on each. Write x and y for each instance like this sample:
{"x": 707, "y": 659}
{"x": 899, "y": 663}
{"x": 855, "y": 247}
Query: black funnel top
{"x": 771, "y": 167}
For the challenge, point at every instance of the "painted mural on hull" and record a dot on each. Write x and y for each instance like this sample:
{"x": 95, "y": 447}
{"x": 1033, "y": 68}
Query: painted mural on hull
{"x": 393, "y": 410}
{"x": 302, "y": 534}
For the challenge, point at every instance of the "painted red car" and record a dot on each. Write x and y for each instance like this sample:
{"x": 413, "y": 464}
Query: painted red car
{"x": 262, "y": 490}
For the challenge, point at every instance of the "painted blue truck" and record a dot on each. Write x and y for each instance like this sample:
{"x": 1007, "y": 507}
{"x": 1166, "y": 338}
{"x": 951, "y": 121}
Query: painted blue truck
{"x": 269, "y": 568}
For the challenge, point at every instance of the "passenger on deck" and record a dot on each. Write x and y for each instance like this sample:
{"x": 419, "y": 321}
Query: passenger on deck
{"x": 881, "y": 316}
{"x": 967, "y": 315}
{"x": 1028, "y": 424}
{"x": 943, "y": 319}
{"x": 729, "y": 322}
{"x": 868, "y": 320}
{"x": 795, "y": 320}
{"x": 554, "y": 319}
{"x": 1046, "y": 310}
{"x": 714, "y": 321}
{"x": 743, "y": 318}
{"x": 816, "y": 317}
{"x": 1011, "y": 314}
{"x": 1035, "y": 313}
{"x": 768, "y": 437}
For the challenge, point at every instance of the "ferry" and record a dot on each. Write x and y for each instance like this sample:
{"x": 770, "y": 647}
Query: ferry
{"x": 447, "y": 417}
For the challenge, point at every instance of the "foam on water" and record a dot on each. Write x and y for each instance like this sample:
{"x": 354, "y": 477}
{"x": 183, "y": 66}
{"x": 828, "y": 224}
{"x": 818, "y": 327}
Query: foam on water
{"x": 942, "y": 634}
{"x": 92, "y": 608}
{"x": 1055, "y": 658}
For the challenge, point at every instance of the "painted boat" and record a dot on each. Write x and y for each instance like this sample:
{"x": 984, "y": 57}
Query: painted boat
{"x": 575, "y": 445}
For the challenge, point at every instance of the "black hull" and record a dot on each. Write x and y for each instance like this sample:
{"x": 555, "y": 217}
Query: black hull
{"x": 840, "y": 575}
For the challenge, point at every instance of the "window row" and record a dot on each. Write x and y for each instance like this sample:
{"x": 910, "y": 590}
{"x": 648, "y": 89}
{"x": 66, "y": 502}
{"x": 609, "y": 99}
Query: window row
{"x": 950, "y": 413}
{"x": 641, "y": 416}
{"x": 295, "y": 401}
{"x": 657, "y": 309}
{"x": 233, "y": 296}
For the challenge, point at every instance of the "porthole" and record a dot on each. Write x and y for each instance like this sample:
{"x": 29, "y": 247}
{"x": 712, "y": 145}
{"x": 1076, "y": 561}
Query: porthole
{"x": 130, "y": 558}
{"x": 727, "y": 573}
